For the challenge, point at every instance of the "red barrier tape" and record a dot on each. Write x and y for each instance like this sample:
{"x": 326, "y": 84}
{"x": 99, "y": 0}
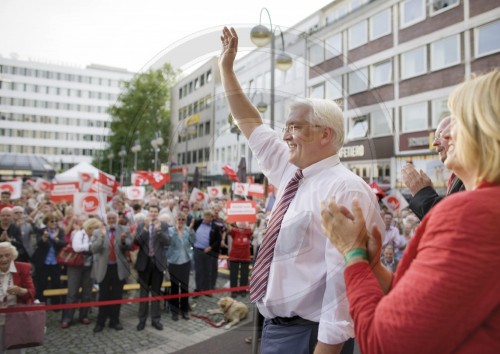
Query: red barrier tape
{"x": 36, "y": 307}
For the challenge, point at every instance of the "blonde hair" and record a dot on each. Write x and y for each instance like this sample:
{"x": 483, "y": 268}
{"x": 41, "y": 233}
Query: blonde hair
{"x": 325, "y": 113}
{"x": 91, "y": 223}
{"x": 475, "y": 105}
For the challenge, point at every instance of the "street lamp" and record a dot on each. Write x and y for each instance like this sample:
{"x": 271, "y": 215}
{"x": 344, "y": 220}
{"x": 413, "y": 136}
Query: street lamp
{"x": 122, "y": 153}
{"x": 110, "y": 158}
{"x": 261, "y": 36}
{"x": 261, "y": 105}
{"x": 135, "y": 149}
{"x": 156, "y": 143}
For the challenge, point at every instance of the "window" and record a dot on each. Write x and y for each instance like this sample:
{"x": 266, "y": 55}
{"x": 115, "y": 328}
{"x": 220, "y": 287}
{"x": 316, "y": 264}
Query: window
{"x": 381, "y": 122}
{"x": 412, "y": 11}
{"x": 180, "y": 92}
{"x": 207, "y": 128}
{"x": 439, "y": 111}
{"x": 445, "y": 52}
{"x": 334, "y": 87}
{"x": 209, "y": 76}
{"x": 358, "y": 80}
{"x": 414, "y": 117}
{"x": 381, "y": 73}
{"x": 358, "y": 35}
{"x": 438, "y": 6}
{"x": 333, "y": 46}
{"x": 318, "y": 91}
{"x": 202, "y": 80}
{"x": 380, "y": 24}
{"x": 316, "y": 54}
{"x": 487, "y": 39}
{"x": 200, "y": 129}
{"x": 413, "y": 63}
{"x": 359, "y": 128}
{"x": 207, "y": 154}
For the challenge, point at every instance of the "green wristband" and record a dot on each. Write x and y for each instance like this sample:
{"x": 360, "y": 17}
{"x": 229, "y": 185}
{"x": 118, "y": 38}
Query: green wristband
{"x": 355, "y": 252}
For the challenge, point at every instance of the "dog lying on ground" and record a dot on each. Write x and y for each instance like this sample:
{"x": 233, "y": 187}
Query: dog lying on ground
{"x": 233, "y": 311}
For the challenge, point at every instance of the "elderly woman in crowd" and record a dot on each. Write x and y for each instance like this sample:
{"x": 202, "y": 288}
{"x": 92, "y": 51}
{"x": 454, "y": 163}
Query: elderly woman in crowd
{"x": 179, "y": 256}
{"x": 79, "y": 277}
{"x": 444, "y": 296}
{"x": 50, "y": 240}
{"x": 16, "y": 285}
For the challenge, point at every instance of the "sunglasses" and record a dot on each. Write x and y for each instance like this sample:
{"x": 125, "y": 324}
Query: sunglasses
{"x": 181, "y": 219}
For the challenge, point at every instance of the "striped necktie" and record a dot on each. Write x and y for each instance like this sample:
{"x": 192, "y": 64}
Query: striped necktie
{"x": 260, "y": 273}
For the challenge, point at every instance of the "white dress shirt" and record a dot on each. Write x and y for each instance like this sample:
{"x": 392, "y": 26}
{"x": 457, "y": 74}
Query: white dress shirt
{"x": 307, "y": 273}
{"x": 80, "y": 242}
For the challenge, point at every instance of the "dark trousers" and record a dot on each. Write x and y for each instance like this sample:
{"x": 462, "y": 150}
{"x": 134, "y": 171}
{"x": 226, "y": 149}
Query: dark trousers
{"x": 205, "y": 265}
{"x": 238, "y": 269}
{"x": 150, "y": 280}
{"x": 299, "y": 336}
{"x": 78, "y": 277}
{"x": 42, "y": 282}
{"x": 179, "y": 280}
{"x": 110, "y": 288}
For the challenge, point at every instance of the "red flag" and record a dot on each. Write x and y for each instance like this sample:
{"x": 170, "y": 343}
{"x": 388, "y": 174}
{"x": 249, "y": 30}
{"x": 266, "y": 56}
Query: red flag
{"x": 158, "y": 179}
{"x": 377, "y": 190}
{"x": 230, "y": 173}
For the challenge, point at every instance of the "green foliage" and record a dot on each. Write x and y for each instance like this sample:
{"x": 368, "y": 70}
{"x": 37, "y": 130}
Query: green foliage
{"x": 141, "y": 111}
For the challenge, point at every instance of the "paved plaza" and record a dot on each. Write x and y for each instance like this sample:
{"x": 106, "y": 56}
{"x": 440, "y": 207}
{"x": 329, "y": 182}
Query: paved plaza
{"x": 175, "y": 336}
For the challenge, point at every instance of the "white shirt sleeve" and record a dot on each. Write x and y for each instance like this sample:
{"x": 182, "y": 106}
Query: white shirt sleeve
{"x": 80, "y": 242}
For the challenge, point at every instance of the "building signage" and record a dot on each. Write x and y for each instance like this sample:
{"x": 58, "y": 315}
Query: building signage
{"x": 352, "y": 151}
{"x": 418, "y": 141}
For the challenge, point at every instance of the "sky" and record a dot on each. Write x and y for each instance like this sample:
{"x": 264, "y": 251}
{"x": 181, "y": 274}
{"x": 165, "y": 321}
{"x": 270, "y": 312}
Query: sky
{"x": 126, "y": 33}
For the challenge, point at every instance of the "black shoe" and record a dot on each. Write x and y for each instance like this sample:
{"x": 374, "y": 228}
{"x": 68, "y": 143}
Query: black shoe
{"x": 116, "y": 326}
{"x": 157, "y": 325}
{"x": 175, "y": 317}
{"x": 141, "y": 325}
{"x": 186, "y": 316}
{"x": 98, "y": 328}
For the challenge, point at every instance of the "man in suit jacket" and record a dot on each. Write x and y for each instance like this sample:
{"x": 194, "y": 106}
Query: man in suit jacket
{"x": 152, "y": 237}
{"x": 206, "y": 251}
{"x": 420, "y": 185}
{"x": 110, "y": 268}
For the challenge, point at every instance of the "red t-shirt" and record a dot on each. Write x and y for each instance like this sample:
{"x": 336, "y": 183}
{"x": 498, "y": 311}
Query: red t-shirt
{"x": 240, "y": 247}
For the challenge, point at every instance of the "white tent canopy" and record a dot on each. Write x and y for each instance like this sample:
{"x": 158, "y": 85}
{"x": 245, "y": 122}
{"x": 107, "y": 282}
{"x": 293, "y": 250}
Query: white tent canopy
{"x": 72, "y": 174}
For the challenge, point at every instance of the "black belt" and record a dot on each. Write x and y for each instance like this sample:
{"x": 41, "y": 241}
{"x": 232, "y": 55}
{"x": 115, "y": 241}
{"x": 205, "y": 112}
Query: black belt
{"x": 199, "y": 249}
{"x": 295, "y": 320}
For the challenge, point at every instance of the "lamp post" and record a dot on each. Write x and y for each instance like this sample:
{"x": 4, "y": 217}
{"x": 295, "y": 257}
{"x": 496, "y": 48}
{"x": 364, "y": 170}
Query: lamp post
{"x": 122, "y": 153}
{"x": 261, "y": 36}
{"x": 135, "y": 149}
{"x": 110, "y": 158}
{"x": 156, "y": 143}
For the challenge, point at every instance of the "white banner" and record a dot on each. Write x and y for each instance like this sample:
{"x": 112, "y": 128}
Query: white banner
{"x": 198, "y": 196}
{"x": 89, "y": 203}
{"x": 240, "y": 189}
{"x": 215, "y": 192}
{"x": 14, "y": 187}
{"x": 134, "y": 192}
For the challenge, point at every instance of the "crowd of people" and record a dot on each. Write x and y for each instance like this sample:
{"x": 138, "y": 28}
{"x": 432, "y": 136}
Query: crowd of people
{"x": 418, "y": 280}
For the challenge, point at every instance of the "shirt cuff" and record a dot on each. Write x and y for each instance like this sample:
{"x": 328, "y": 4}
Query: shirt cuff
{"x": 335, "y": 332}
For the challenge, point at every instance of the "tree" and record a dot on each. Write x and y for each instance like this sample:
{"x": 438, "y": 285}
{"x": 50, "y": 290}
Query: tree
{"x": 141, "y": 111}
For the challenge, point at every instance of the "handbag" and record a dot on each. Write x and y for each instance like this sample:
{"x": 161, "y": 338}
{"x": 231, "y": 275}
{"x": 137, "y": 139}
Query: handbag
{"x": 68, "y": 257}
{"x": 24, "y": 329}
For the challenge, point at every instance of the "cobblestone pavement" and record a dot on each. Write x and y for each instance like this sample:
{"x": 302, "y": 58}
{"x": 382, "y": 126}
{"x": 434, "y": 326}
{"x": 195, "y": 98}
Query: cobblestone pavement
{"x": 174, "y": 337}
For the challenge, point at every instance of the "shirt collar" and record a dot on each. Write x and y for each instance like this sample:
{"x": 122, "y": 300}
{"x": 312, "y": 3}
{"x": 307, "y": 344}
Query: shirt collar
{"x": 12, "y": 269}
{"x": 320, "y": 166}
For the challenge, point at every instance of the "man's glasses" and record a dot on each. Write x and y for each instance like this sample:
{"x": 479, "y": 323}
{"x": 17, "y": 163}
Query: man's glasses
{"x": 181, "y": 219}
{"x": 295, "y": 128}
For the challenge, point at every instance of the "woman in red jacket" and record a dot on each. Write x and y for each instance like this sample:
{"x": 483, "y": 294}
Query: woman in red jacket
{"x": 445, "y": 294}
{"x": 16, "y": 284}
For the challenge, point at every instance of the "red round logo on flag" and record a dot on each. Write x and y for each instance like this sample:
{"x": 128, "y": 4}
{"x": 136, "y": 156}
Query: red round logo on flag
{"x": 44, "y": 186}
{"x": 240, "y": 189}
{"x": 89, "y": 204}
{"x": 200, "y": 196}
{"x": 135, "y": 192}
{"x": 7, "y": 187}
{"x": 85, "y": 177}
{"x": 214, "y": 191}
{"x": 393, "y": 202}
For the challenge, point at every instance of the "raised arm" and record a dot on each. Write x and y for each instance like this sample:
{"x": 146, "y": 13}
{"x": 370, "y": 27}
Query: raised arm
{"x": 243, "y": 111}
